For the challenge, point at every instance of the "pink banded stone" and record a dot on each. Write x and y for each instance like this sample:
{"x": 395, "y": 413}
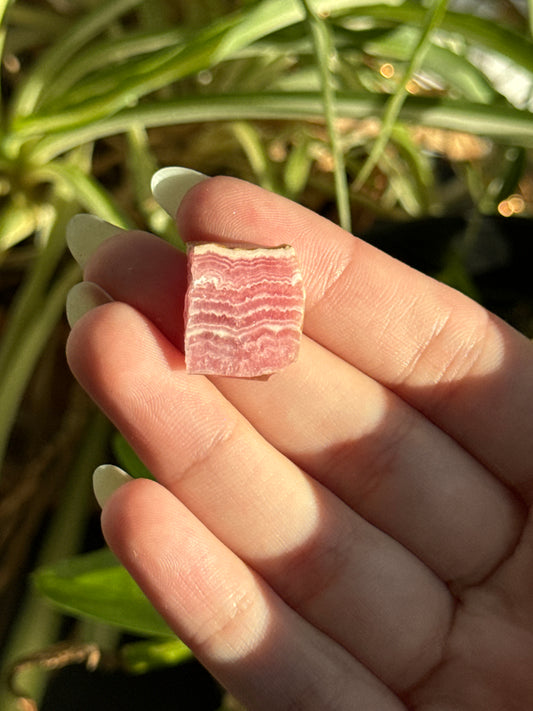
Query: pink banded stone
{"x": 243, "y": 309}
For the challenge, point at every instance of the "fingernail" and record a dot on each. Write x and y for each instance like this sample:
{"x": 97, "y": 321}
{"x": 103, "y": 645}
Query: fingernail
{"x": 169, "y": 186}
{"x": 82, "y": 298}
{"x": 107, "y": 478}
{"x": 87, "y": 232}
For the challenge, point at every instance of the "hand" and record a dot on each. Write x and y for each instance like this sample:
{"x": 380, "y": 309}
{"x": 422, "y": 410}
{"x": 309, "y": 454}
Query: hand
{"x": 353, "y": 532}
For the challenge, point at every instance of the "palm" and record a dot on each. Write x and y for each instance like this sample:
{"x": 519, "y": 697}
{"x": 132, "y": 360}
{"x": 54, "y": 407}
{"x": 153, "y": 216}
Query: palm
{"x": 352, "y": 529}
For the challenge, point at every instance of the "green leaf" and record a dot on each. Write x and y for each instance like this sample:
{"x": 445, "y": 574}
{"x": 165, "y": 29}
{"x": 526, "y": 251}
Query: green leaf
{"x": 410, "y": 174}
{"x": 511, "y": 172}
{"x": 474, "y": 30}
{"x": 23, "y": 358}
{"x": 433, "y": 19}
{"x": 17, "y": 221}
{"x": 251, "y": 143}
{"x": 51, "y": 62}
{"x": 35, "y": 288}
{"x": 124, "y": 85}
{"x": 325, "y": 57}
{"x": 95, "y": 585}
{"x": 128, "y": 459}
{"x": 297, "y": 168}
{"x": 141, "y": 657}
{"x": 107, "y": 55}
{"x": 142, "y": 164}
{"x": 504, "y": 123}
{"x": 455, "y": 69}
{"x": 85, "y": 189}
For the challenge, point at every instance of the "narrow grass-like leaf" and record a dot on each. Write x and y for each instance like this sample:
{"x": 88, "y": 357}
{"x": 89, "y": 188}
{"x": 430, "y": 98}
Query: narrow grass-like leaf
{"x": 107, "y": 54}
{"x": 512, "y": 171}
{"x": 147, "y": 655}
{"x": 88, "y": 26}
{"x": 503, "y": 123}
{"x": 219, "y": 41}
{"x": 13, "y": 380}
{"x": 32, "y": 292}
{"x": 142, "y": 165}
{"x": 251, "y": 144}
{"x": 433, "y": 20}
{"x": 454, "y": 69}
{"x": 16, "y": 223}
{"x": 95, "y": 585}
{"x": 325, "y": 57}
{"x": 297, "y": 169}
{"x": 416, "y": 170}
{"x": 475, "y": 31}
{"x": 86, "y": 190}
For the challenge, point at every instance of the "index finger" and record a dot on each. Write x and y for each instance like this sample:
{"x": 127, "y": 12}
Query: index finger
{"x": 462, "y": 367}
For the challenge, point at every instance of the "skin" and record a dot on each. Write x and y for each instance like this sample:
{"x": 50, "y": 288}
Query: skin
{"x": 354, "y": 532}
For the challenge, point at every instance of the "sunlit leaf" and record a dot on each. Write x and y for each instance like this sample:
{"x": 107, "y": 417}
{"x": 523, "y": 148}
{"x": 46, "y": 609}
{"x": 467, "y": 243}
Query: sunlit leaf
{"x": 89, "y": 193}
{"x": 146, "y": 655}
{"x": 474, "y": 30}
{"x": 433, "y": 18}
{"x": 123, "y": 85}
{"x": 456, "y": 71}
{"x": 504, "y": 123}
{"x": 95, "y": 585}
{"x": 16, "y": 223}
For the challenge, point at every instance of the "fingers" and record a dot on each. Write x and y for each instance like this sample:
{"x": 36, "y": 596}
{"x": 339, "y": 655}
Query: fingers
{"x": 310, "y": 547}
{"x": 234, "y": 623}
{"x": 468, "y": 372}
{"x": 381, "y": 456}
{"x": 387, "y": 462}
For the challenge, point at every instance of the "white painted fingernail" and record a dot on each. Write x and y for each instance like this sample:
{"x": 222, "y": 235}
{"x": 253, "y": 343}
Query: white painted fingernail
{"x": 87, "y": 232}
{"x": 169, "y": 186}
{"x": 82, "y": 298}
{"x": 107, "y": 478}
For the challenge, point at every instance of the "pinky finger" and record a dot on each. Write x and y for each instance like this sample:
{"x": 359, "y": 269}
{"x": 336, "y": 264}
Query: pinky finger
{"x": 258, "y": 648}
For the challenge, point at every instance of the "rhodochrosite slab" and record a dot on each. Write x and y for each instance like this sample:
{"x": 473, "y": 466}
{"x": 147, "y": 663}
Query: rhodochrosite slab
{"x": 243, "y": 309}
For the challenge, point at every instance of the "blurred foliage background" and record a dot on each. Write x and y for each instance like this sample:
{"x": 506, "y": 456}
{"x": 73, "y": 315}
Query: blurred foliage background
{"x": 408, "y": 122}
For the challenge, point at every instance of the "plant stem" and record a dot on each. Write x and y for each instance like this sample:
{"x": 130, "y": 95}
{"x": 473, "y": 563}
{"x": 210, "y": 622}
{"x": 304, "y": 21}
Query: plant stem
{"x": 434, "y": 17}
{"x": 325, "y": 55}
